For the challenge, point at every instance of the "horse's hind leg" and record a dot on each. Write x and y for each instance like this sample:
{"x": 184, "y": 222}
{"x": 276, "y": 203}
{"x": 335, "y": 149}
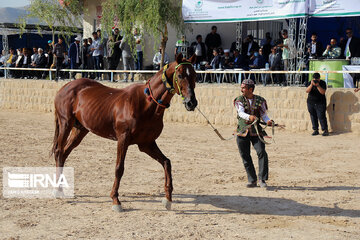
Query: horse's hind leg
{"x": 64, "y": 127}
{"x": 76, "y": 136}
{"x": 153, "y": 151}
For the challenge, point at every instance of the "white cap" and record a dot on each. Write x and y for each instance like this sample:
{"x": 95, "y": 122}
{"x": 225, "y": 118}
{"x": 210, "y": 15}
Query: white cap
{"x": 226, "y": 50}
{"x": 78, "y": 38}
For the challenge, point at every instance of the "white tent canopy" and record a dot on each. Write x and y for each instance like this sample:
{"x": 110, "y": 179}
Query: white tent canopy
{"x": 197, "y": 11}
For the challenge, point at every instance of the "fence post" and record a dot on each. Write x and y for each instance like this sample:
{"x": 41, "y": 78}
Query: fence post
{"x": 5, "y": 73}
{"x": 50, "y": 77}
{"x": 112, "y": 76}
{"x": 239, "y": 79}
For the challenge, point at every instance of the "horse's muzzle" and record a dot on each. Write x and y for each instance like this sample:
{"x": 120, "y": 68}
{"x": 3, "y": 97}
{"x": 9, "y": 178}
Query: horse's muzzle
{"x": 190, "y": 104}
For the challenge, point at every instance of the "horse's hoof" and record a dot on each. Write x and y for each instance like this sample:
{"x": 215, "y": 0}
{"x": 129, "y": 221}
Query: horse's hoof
{"x": 166, "y": 203}
{"x": 58, "y": 194}
{"x": 117, "y": 208}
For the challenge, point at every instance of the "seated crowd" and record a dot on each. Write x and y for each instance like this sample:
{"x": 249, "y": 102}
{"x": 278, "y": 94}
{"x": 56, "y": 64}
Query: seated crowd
{"x": 98, "y": 53}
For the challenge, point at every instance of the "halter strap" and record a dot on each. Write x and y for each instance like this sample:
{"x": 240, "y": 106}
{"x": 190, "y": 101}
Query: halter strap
{"x": 167, "y": 83}
{"x": 176, "y": 79}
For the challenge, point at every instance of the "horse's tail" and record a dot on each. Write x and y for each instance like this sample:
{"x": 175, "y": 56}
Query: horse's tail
{"x": 56, "y": 135}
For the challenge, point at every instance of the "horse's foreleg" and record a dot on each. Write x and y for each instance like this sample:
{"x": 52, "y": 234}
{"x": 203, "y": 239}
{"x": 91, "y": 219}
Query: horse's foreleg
{"x": 153, "y": 151}
{"x": 119, "y": 171}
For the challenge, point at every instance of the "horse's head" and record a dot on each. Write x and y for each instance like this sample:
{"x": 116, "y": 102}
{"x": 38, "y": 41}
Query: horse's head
{"x": 184, "y": 81}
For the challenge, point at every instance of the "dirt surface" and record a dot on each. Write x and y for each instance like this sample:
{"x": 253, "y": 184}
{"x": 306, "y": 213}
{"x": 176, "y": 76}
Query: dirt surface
{"x": 313, "y": 192}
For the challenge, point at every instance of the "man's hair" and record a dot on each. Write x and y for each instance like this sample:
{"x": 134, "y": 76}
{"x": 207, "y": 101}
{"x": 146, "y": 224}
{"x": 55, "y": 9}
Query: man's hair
{"x": 316, "y": 76}
{"x": 284, "y": 31}
{"x": 94, "y": 33}
{"x": 349, "y": 29}
{"x": 213, "y": 27}
{"x": 198, "y": 36}
{"x": 314, "y": 34}
{"x": 98, "y": 30}
{"x": 249, "y": 84}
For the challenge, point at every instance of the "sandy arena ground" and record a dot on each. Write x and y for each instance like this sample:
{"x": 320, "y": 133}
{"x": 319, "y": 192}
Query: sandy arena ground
{"x": 314, "y": 188}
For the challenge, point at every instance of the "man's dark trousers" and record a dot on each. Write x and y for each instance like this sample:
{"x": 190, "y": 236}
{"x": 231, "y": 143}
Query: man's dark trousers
{"x": 59, "y": 61}
{"x": 244, "y": 149}
{"x": 317, "y": 112}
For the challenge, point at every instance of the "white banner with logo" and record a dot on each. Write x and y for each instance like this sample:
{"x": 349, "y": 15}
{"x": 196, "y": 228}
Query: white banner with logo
{"x": 241, "y": 10}
{"x": 196, "y": 11}
{"x": 334, "y": 8}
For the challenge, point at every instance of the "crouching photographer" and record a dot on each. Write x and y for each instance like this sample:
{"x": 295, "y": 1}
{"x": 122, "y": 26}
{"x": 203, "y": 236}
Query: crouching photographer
{"x": 316, "y": 103}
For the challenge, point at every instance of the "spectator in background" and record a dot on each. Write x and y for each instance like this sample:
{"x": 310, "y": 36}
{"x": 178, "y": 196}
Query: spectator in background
{"x": 157, "y": 59}
{"x": 90, "y": 59}
{"x": 332, "y": 51}
{"x": 84, "y": 57}
{"x": 127, "y": 58}
{"x": 212, "y": 41}
{"x": 3, "y": 59}
{"x": 286, "y": 53}
{"x": 198, "y": 47}
{"x": 74, "y": 56}
{"x": 314, "y": 48}
{"x": 11, "y": 59}
{"x": 249, "y": 46}
{"x": 103, "y": 41}
{"x": 266, "y": 45}
{"x": 316, "y": 103}
{"x": 233, "y": 45}
{"x": 97, "y": 54}
{"x": 139, "y": 51}
{"x": 182, "y": 46}
{"x": 114, "y": 51}
{"x": 215, "y": 62}
{"x": 226, "y": 60}
{"x": 239, "y": 61}
{"x": 35, "y": 55}
{"x": 40, "y": 62}
{"x": 352, "y": 46}
{"x": 59, "y": 54}
{"x": 257, "y": 60}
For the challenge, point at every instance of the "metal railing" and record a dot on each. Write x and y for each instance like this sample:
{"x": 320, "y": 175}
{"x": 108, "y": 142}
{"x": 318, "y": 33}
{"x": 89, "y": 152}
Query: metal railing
{"x": 217, "y": 76}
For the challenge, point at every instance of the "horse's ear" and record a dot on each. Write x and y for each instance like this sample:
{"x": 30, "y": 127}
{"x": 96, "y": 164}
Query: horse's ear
{"x": 179, "y": 58}
{"x": 193, "y": 59}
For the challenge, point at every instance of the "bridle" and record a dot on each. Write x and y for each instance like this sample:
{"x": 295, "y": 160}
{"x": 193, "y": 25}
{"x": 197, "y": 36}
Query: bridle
{"x": 169, "y": 85}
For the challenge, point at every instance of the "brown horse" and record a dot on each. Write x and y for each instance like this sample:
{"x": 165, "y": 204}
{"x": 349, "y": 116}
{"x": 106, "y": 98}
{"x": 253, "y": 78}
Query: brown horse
{"x": 132, "y": 115}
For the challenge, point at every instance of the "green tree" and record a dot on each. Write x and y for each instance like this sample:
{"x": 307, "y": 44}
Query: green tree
{"x": 63, "y": 16}
{"x": 152, "y": 16}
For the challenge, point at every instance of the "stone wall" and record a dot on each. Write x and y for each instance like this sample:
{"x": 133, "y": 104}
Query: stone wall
{"x": 287, "y": 105}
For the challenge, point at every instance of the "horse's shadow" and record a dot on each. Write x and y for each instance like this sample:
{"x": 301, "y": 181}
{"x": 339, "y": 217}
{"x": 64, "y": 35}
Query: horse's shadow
{"x": 227, "y": 204}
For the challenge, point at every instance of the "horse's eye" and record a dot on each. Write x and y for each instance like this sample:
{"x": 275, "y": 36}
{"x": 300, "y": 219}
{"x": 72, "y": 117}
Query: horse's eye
{"x": 179, "y": 76}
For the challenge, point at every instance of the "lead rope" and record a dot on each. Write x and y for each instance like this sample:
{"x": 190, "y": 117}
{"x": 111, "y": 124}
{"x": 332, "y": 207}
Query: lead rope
{"x": 215, "y": 130}
{"x": 273, "y": 125}
{"x": 272, "y": 132}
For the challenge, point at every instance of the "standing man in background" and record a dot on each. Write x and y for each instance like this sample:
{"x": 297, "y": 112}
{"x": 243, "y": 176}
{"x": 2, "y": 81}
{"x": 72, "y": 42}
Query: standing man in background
{"x": 59, "y": 55}
{"x": 316, "y": 103}
{"x": 212, "y": 41}
{"x": 139, "y": 52}
{"x": 97, "y": 54}
{"x": 74, "y": 56}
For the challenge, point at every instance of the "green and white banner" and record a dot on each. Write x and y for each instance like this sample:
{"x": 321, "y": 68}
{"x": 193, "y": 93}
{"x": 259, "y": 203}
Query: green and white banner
{"x": 241, "y": 10}
{"x": 195, "y": 11}
{"x": 334, "y": 8}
